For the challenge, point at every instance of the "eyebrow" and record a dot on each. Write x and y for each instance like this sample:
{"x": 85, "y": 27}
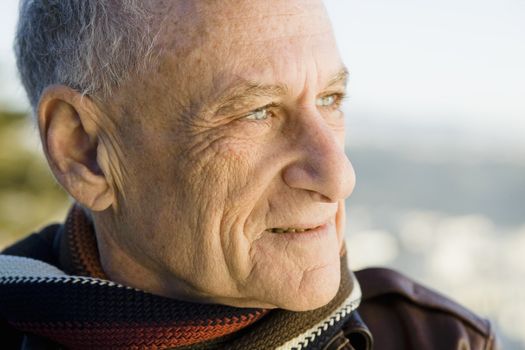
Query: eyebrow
{"x": 244, "y": 94}
{"x": 247, "y": 92}
{"x": 341, "y": 77}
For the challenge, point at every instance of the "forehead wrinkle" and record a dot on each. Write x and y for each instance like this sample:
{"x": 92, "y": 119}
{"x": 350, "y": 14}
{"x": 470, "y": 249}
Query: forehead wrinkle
{"x": 260, "y": 16}
{"x": 249, "y": 21}
{"x": 290, "y": 38}
{"x": 251, "y": 9}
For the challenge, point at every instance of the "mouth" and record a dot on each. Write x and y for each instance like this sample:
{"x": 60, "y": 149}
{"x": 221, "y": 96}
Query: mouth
{"x": 291, "y": 229}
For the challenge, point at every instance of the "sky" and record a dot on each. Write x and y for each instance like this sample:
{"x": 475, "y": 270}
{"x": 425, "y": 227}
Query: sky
{"x": 450, "y": 65}
{"x": 446, "y": 58}
{"x": 453, "y": 65}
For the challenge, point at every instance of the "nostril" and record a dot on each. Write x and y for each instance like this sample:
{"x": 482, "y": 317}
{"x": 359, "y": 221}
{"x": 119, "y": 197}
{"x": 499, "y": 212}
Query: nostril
{"x": 319, "y": 197}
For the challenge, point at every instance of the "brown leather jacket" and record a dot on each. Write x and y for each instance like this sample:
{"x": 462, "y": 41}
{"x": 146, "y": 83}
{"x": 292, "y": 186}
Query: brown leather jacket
{"x": 395, "y": 313}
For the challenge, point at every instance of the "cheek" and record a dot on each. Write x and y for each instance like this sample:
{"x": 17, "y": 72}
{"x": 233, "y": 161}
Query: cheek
{"x": 222, "y": 167}
{"x": 195, "y": 199}
{"x": 226, "y": 175}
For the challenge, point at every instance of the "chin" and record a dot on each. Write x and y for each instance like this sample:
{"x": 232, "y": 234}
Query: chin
{"x": 317, "y": 289}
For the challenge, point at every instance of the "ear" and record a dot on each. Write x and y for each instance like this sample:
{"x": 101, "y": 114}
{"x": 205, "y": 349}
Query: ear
{"x": 70, "y": 137}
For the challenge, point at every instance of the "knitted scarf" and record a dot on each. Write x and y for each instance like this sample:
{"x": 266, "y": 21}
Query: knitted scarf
{"x": 82, "y": 309}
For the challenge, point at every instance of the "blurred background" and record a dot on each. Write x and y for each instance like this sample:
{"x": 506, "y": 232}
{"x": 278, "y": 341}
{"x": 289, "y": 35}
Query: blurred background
{"x": 436, "y": 133}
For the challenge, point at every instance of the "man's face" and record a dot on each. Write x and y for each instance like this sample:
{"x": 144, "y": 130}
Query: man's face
{"x": 232, "y": 149}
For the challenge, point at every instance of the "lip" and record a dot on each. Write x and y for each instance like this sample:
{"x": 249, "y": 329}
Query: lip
{"x": 317, "y": 232}
{"x": 313, "y": 225}
{"x": 301, "y": 229}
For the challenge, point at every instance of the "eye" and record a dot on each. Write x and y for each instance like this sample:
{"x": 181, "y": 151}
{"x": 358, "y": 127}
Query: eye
{"x": 258, "y": 114}
{"x": 327, "y": 101}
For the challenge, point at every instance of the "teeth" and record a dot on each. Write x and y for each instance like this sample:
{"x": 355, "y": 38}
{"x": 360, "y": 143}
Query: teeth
{"x": 289, "y": 230}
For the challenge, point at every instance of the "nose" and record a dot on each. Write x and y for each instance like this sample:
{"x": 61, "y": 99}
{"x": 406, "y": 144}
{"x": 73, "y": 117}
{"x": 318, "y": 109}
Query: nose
{"x": 322, "y": 166}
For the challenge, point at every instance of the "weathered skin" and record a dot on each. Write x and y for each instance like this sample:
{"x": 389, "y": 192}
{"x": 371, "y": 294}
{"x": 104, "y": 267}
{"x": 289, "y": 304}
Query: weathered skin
{"x": 183, "y": 192}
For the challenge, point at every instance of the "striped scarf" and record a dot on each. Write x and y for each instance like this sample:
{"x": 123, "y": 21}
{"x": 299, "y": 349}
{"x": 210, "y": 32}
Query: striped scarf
{"x": 82, "y": 309}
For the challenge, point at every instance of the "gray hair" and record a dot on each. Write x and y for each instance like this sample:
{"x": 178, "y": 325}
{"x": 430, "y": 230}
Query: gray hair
{"x": 92, "y": 46}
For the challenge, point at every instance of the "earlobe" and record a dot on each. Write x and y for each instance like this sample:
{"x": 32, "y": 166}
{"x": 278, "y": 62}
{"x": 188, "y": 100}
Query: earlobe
{"x": 71, "y": 142}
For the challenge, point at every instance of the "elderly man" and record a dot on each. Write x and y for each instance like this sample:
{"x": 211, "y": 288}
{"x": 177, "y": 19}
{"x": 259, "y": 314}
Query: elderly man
{"x": 202, "y": 143}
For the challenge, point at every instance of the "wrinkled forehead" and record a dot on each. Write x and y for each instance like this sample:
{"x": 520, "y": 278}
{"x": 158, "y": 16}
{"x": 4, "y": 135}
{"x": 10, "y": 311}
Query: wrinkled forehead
{"x": 242, "y": 20}
{"x": 207, "y": 47}
{"x": 249, "y": 36}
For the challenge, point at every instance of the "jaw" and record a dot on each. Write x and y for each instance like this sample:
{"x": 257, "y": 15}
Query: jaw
{"x": 295, "y": 271}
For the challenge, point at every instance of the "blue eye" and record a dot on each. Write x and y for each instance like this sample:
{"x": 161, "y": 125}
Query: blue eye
{"x": 326, "y": 101}
{"x": 258, "y": 114}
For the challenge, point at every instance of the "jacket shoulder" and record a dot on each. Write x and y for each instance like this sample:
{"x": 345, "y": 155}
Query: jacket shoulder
{"x": 41, "y": 245}
{"x": 419, "y": 311}
{"x": 378, "y": 282}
